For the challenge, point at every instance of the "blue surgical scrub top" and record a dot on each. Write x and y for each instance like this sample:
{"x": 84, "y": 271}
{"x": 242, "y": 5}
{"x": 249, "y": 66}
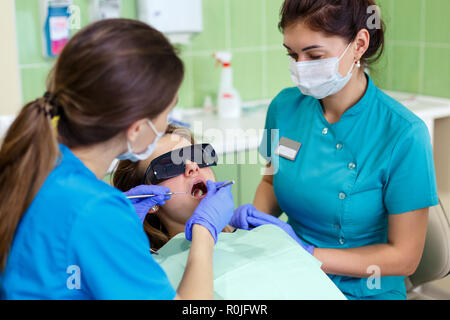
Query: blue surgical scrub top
{"x": 349, "y": 176}
{"x": 81, "y": 239}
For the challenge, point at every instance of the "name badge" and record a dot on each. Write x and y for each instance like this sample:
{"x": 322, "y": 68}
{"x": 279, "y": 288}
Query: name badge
{"x": 288, "y": 148}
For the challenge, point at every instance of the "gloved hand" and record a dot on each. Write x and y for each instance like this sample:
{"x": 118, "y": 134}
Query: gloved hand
{"x": 142, "y": 206}
{"x": 214, "y": 211}
{"x": 247, "y": 217}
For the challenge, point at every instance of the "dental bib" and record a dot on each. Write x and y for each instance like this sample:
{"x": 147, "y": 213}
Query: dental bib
{"x": 263, "y": 263}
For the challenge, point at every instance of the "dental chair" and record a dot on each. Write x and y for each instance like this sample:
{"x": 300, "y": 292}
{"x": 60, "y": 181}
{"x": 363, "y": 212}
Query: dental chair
{"x": 435, "y": 262}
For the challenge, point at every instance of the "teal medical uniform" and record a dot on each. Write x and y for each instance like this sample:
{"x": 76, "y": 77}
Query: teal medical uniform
{"x": 348, "y": 177}
{"x": 81, "y": 239}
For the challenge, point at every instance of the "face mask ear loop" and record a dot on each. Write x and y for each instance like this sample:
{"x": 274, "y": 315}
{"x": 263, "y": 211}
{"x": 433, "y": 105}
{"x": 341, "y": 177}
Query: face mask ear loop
{"x": 130, "y": 149}
{"x": 351, "y": 69}
{"x": 158, "y": 134}
{"x": 345, "y": 51}
{"x": 153, "y": 128}
{"x": 343, "y": 54}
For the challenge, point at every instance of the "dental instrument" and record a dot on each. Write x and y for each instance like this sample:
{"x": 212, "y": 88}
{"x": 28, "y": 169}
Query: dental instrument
{"x": 225, "y": 185}
{"x": 174, "y": 193}
{"x": 154, "y": 195}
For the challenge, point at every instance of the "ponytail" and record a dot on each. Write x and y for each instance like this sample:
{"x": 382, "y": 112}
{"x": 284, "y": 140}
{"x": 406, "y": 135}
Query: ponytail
{"x": 28, "y": 154}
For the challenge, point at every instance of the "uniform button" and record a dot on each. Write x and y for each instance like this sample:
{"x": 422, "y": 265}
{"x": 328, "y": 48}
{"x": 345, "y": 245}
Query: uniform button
{"x": 342, "y": 196}
{"x": 351, "y": 166}
{"x": 341, "y": 240}
{"x": 325, "y": 131}
{"x": 339, "y": 146}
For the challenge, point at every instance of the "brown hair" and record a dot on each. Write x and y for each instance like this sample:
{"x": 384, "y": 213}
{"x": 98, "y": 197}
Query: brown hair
{"x": 343, "y": 18}
{"x": 109, "y": 75}
{"x": 128, "y": 175}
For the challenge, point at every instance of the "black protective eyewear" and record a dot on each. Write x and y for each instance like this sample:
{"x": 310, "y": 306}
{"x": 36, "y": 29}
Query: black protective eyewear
{"x": 173, "y": 163}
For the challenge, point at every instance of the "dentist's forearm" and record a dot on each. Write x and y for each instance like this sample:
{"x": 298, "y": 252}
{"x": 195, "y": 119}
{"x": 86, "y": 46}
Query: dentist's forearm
{"x": 197, "y": 282}
{"x": 361, "y": 262}
{"x": 400, "y": 256}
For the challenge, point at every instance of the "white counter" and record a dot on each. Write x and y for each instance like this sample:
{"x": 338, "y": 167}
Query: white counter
{"x": 429, "y": 109}
{"x": 245, "y": 133}
{"x": 228, "y": 135}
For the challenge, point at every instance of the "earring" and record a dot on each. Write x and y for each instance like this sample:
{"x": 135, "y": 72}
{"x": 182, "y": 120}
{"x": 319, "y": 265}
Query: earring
{"x": 358, "y": 64}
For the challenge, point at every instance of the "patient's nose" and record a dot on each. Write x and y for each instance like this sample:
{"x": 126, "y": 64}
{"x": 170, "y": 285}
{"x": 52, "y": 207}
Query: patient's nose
{"x": 192, "y": 169}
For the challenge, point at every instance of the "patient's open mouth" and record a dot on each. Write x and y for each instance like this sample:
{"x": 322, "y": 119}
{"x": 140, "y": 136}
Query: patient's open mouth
{"x": 198, "y": 189}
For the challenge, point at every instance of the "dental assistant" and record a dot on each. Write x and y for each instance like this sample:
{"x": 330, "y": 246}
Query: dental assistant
{"x": 65, "y": 234}
{"x": 352, "y": 168}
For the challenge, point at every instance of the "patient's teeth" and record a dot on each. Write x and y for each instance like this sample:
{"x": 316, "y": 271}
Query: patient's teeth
{"x": 198, "y": 193}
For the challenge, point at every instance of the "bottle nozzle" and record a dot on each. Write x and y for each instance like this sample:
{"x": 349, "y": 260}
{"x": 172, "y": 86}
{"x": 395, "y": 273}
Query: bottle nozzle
{"x": 223, "y": 57}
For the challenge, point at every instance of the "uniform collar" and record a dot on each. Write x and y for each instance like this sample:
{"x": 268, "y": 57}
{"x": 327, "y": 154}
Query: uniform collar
{"x": 361, "y": 105}
{"x": 365, "y": 101}
{"x": 68, "y": 157}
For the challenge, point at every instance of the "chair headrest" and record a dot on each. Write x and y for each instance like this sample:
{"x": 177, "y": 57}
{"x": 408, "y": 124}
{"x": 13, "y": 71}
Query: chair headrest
{"x": 435, "y": 262}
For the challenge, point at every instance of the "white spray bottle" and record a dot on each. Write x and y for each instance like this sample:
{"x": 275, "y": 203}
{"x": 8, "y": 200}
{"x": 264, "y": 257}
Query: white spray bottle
{"x": 229, "y": 104}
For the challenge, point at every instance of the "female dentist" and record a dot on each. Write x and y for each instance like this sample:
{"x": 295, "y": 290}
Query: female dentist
{"x": 352, "y": 168}
{"x": 65, "y": 234}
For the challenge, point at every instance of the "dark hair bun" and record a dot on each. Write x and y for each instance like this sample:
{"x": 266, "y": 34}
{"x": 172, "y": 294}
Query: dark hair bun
{"x": 343, "y": 18}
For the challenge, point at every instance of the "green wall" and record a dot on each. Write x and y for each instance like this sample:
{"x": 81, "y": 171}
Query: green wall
{"x": 33, "y": 66}
{"x": 416, "y": 57}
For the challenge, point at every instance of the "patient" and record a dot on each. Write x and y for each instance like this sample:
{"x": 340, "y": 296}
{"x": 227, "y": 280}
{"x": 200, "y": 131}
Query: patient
{"x": 163, "y": 223}
{"x": 247, "y": 264}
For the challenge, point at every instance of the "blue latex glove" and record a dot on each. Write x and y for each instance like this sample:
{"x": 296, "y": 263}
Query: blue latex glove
{"x": 214, "y": 211}
{"x": 143, "y": 206}
{"x": 247, "y": 217}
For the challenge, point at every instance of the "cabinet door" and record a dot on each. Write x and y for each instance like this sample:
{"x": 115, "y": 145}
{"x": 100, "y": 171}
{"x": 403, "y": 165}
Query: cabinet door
{"x": 228, "y": 170}
{"x": 250, "y": 174}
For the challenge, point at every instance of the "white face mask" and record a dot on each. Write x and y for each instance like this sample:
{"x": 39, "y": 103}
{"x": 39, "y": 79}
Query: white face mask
{"x": 135, "y": 157}
{"x": 320, "y": 78}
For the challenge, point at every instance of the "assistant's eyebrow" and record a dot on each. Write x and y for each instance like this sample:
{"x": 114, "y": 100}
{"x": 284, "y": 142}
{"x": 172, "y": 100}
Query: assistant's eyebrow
{"x": 287, "y": 47}
{"x": 304, "y": 49}
{"x": 311, "y": 47}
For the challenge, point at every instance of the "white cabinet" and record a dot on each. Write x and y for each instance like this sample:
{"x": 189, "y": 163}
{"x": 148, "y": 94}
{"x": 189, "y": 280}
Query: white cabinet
{"x": 178, "y": 19}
